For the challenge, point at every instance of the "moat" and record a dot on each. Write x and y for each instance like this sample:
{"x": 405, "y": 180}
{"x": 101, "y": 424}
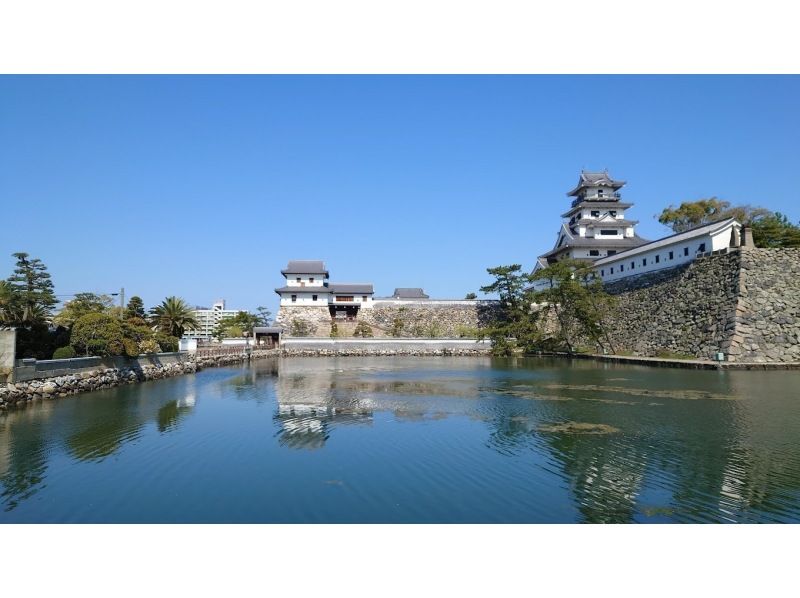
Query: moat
{"x": 412, "y": 440}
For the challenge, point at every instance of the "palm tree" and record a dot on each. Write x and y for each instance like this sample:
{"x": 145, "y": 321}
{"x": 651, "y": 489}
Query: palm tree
{"x": 173, "y": 316}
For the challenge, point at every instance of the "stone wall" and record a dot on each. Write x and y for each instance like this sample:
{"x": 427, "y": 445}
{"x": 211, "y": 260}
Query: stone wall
{"x": 421, "y": 319}
{"x": 745, "y": 303}
{"x": 55, "y": 378}
{"x": 768, "y": 311}
{"x": 317, "y": 318}
{"x": 8, "y": 345}
{"x": 384, "y": 346}
{"x": 687, "y": 310}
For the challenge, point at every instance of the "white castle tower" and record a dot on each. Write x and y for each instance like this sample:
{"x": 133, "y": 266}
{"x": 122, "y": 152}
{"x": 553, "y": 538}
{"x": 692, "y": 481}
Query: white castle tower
{"x": 595, "y": 225}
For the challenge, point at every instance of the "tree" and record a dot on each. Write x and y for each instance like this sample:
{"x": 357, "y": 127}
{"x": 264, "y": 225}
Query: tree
{"x": 471, "y": 296}
{"x": 135, "y": 308}
{"x": 693, "y": 213}
{"x": 334, "y": 329}
{"x": 9, "y": 304}
{"x": 575, "y": 297}
{"x": 237, "y": 326}
{"x": 173, "y": 317}
{"x": 514, "y": 324}
{"x": 33, "y": 289}
{"x": 97, "y": 334}
{"x": 776, "y": 231}
{"x": 263, "y": 315}
{"x": 769, "y": 229}
{"x": 80, "y": 305}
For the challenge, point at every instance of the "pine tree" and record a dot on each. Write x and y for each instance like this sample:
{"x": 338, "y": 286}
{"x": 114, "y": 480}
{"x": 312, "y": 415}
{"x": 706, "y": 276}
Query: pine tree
{"x": 32, "y": 285}
{"x": 135, "y": 309}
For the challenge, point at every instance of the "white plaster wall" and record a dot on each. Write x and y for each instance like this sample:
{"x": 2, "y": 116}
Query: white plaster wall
{"x": 306, "y": 297}
{"x": 664, "y": 262}
{"x": 305, "y": 280}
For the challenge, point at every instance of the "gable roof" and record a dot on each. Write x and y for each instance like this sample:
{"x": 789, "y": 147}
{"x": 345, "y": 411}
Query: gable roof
{"x": 355, "y": 288}
{"x": 698, "y": 231}
{"x": 590, "y": 179}
{"x": 409, "y": 293}
{"x": 305, "y": 267}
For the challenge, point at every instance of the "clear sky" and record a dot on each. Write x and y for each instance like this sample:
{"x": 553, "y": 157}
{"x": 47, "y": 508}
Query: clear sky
{"x": 204, "y": 187}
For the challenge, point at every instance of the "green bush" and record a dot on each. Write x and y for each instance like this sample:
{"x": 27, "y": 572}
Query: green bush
{"x": 97, "y": 334}
{"x": 363, "y": 330}
{"x": 300, "y": 328}
{"x": 130, "y": 347}
{"x": 64, "y": 353}
{"x": 167, "y": 343}
{"x": 149, "y": 346}
{"x": 397, "y": 327}
{"x": 334, "y": 330}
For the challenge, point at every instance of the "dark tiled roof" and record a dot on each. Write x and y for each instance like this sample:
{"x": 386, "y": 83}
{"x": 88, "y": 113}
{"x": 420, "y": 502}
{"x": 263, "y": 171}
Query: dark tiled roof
{"x": 409, "y": 293}
{"x": 597, "y": 204}
{"x": 355, "y": 288}
{"x": 588, "y": 179}
{"x": 580, "y": 242}
{"x": 305, "y": 267}
{"x": 316, "y": 290}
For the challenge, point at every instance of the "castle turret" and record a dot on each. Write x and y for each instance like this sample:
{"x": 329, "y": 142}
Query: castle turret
{"x": 595, "y": 226}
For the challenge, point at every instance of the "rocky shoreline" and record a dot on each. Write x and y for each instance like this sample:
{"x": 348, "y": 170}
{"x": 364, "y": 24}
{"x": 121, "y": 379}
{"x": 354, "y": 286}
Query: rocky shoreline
{"x": 411, "y": 352}
{"x": 17, "y": 394}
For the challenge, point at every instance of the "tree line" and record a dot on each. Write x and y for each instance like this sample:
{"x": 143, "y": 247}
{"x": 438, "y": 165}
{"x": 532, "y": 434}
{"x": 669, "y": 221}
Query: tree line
{"x": 90, "y": 323}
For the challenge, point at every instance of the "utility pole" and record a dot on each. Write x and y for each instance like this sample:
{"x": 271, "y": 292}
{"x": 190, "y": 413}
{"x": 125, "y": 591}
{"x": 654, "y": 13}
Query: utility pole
{"x": 122, "y": 303}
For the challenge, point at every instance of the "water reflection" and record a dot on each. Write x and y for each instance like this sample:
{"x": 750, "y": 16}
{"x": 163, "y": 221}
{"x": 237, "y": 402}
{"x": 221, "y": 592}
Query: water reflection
{"x": 310, "y": 397}
{"x": 414, "y": 439}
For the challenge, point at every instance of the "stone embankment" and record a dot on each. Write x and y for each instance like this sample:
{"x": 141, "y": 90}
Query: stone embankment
{"x": 110, "y": 373}
{"x": 373, "y": 352}
{"x": 744, "y": 304}
{"x": 392, "y": 318}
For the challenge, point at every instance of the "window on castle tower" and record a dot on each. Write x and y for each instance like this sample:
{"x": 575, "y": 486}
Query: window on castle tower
{"x": 594, "y": 252}
{"x": 685, "y": 251}
{"x": 644, "y": 261}
{"x": 671, "y": 255}
{"x": 313, "y": 297}
{"x": 658, "y": 259}
{"x": 294, "y": 298}
{"x": 595, "y": 213}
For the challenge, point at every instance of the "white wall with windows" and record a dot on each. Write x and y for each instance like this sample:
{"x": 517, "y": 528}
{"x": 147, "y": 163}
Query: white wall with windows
{"x": 666, "y": 253}
{"x": 305, "y": 280}
{"x": 306, "y": 297}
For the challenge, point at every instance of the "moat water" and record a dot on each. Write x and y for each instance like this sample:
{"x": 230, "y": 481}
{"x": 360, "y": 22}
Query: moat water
{"x": 412, "y": 440}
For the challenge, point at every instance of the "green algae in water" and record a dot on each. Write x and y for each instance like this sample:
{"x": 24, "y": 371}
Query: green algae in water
{"x": 578, "y": 428}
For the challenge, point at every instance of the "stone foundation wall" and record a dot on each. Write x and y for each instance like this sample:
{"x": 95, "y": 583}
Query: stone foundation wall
{"x": 55, "y": 382}
{"x": 318, "y": 319}
{"x": 768, "y": 312}
{"x": 686, "y": 310}
{"x": 745, "y": 303}
{"x": 421, "y": 319}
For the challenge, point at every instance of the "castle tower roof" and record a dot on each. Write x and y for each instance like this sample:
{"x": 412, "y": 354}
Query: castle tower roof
{"x": 595, "y": 179}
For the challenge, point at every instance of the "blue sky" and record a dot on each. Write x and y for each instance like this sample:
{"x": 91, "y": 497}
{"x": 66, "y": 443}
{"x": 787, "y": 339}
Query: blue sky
{"x": 204, "y": 187}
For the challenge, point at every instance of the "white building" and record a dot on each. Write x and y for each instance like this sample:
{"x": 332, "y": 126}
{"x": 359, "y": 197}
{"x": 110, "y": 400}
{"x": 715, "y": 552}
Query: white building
{"x": 595, "y": 226}
{"x": 671, "y": 251}
{"x": 208, "y": 319}
{"x": 598, "y": 231}
{"x": 307, "y": 285}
